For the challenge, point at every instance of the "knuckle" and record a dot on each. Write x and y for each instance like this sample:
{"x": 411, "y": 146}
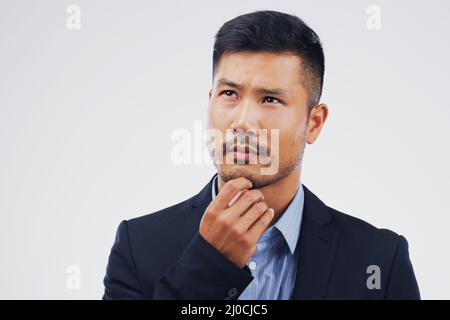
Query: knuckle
{"x": 245, "y": 241}
{"x": 266, "y": 219}
{"x": 243, "y": 180}
{"x": 205, "y": 219}
{"x": 261, "y": 206}
{"x": 209, "y": 212}
{"x": 228, "y": 224}
{"x": 232, "y": 185}
{"x": 257, "y": 193}
{"x": 250, "y": 196}
{"x": 236, "y": 231}
{"x": 262, "y": 220}
{"x": 221, "y": 220}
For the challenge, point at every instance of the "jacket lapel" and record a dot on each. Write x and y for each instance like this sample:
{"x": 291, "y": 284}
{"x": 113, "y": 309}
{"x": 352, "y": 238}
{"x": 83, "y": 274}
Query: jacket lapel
{"x": 315, "y": 251}
{"x": 193, "y": 213}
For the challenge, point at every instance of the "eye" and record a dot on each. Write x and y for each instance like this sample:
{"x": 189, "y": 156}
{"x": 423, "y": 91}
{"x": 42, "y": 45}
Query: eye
{"x": 269, "y": 99}
{"x": 228, "y": 93}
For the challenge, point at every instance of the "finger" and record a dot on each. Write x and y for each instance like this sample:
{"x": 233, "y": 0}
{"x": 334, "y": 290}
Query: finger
{"x": 236, "y": 197}
{"x": 260, "y": 225}
{"x": 245, "y": 201}
{"x": 252, "y": 215}
{"x": 229, "y": 191}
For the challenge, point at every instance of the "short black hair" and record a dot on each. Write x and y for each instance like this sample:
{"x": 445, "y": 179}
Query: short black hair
{"x": 275, "y": 32}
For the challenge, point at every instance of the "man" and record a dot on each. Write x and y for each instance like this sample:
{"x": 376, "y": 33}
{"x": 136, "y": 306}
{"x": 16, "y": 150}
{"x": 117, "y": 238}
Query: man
{"x": 254, "y": 231}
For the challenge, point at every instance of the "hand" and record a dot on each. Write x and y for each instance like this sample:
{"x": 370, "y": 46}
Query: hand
{"x": 235, "y": 220}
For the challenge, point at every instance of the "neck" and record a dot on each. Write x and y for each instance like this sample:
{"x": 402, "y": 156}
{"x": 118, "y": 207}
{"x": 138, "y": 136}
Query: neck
{"x": 278, "y": 195}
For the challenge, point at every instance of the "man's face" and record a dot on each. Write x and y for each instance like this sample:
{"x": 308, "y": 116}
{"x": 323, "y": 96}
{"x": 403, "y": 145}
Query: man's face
{"x": 253, "y": 91}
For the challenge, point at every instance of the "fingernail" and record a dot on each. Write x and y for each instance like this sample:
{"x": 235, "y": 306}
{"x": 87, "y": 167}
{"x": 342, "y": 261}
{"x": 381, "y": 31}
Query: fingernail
{"x": 272, "y": 212}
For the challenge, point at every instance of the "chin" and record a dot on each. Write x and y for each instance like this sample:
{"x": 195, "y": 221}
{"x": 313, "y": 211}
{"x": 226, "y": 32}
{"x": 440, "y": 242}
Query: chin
{"x": 251, "y": 172}
{"x": 239, "y": 170}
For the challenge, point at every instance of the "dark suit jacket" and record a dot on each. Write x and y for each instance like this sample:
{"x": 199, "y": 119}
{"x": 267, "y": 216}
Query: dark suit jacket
{"x": 162, "y": 256}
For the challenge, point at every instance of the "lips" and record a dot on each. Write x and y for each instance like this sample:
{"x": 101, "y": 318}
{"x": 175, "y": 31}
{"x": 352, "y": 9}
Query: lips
{"x": 245, "y": 153}
{"x": 244, "y": 149}
{"x": 242, "y": 153}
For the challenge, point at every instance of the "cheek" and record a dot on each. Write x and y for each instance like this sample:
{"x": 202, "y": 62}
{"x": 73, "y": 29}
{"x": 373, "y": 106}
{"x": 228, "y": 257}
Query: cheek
{"x": 288, "y": 143}
{"x": 291, "y": 138}
{"x": 218, "y": 116}
{"x": 214, "y": 118}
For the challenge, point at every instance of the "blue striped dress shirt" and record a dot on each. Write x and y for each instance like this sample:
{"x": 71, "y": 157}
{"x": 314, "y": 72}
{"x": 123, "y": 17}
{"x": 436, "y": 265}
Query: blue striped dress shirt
{"x": 274, "y": 264}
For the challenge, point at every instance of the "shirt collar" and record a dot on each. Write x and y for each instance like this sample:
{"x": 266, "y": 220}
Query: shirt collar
{"x": 290, "y": 221}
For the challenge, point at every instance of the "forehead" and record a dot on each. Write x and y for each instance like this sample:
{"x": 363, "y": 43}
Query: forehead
{"x": 265, "y": 69}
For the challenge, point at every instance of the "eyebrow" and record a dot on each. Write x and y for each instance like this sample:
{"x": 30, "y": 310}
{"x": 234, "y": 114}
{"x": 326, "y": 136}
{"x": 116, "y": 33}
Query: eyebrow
{"x": 274, "y": 91}
{"x": 229, "y": 83}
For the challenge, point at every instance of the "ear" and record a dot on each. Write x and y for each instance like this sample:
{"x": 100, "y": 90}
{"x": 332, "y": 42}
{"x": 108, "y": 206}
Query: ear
{"x": 317, "y": 118}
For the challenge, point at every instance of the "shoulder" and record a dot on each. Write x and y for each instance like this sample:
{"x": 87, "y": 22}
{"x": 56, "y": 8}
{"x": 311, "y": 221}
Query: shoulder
{"x": 364, "y": 237}
{"x": 359, "y": 227}
{"x": 357, "y": 232}
{"x": 165, "y": 218}
{"x": 161, "y": 219}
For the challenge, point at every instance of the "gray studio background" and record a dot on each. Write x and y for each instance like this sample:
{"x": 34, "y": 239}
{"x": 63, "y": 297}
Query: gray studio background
{"x": 87, "y": 116}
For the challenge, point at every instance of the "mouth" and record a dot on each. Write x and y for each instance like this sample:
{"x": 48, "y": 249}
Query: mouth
{"x": 244, "y": 149}
{"x": 242, "y": 153}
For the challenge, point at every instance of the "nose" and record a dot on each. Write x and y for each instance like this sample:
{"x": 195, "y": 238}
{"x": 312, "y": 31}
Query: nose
{"x": 244, "y": 127}
{"x": 246, "y": 117}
